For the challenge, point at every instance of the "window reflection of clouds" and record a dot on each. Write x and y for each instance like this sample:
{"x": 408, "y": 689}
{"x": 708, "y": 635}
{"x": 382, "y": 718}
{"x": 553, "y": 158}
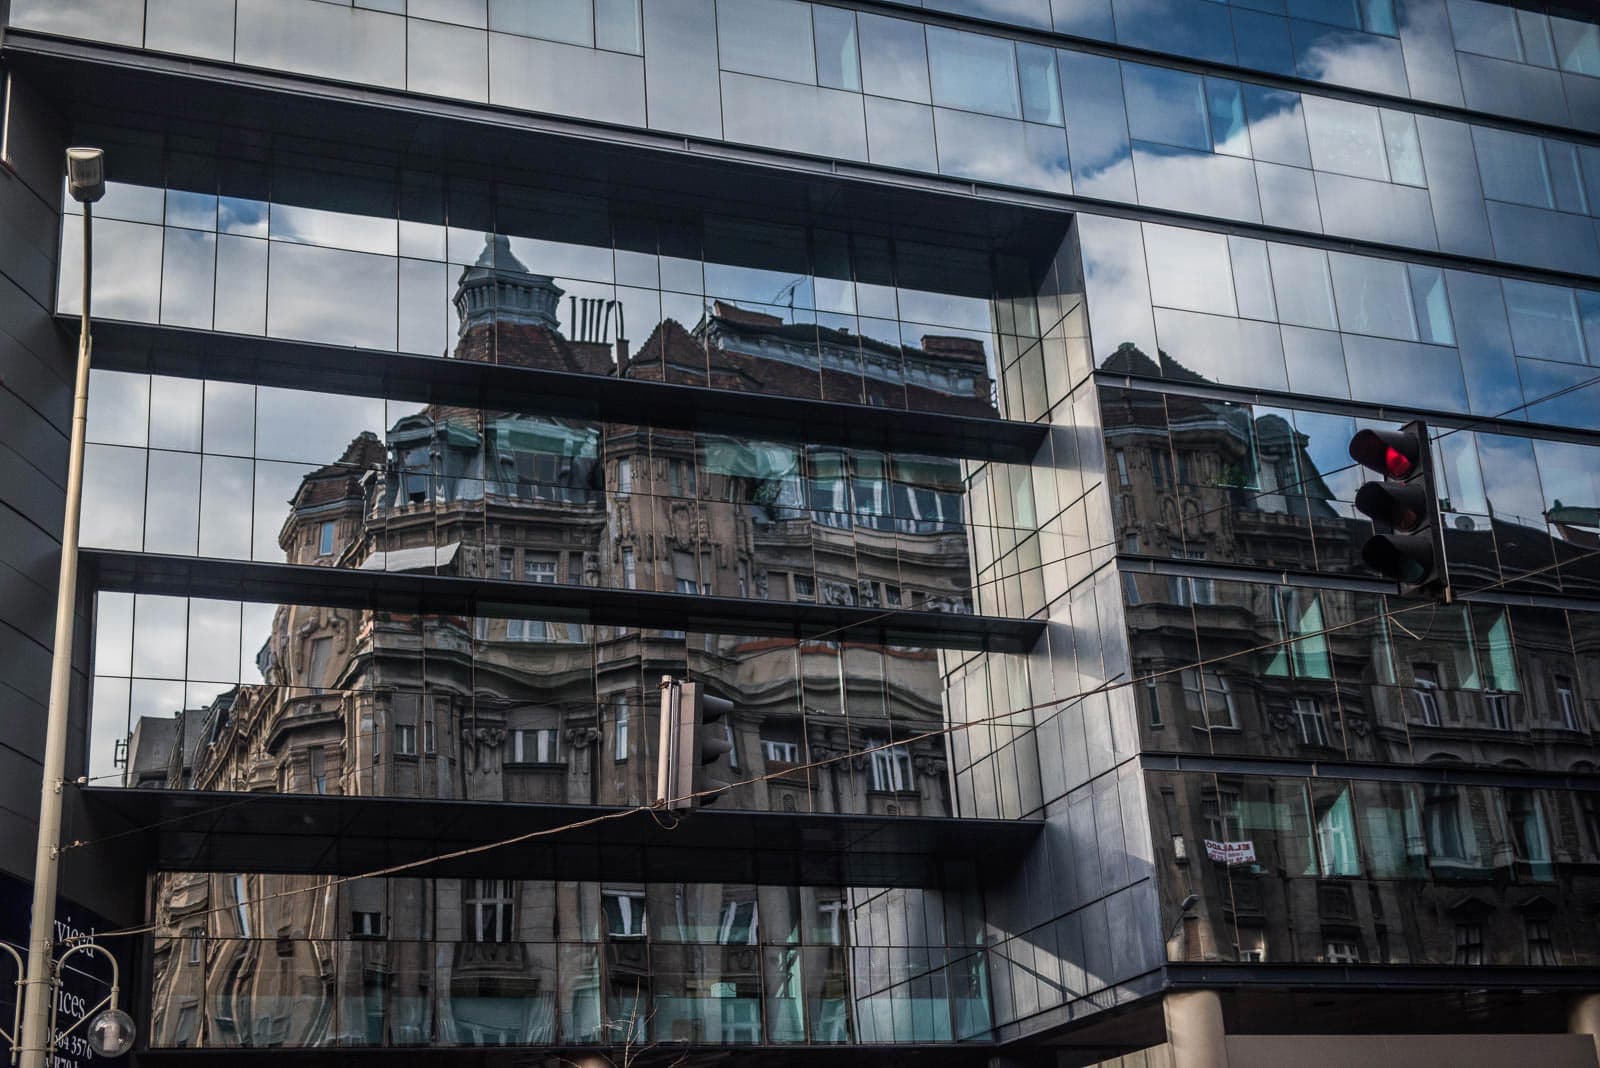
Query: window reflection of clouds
{"x": 1349, "y": 58}
{"x": 126, "y": 278}
{"x": 188, "y": 278}
{"x": 311, "y": 428}
{"x": 172, "y": 509}
{"x": 1352, "y": 45}
{"x": 973, "y": 72}
{"x": 1194, "y": 181}
{"x": 332, "y": 229}
{"x": 113, "y": 492}
{"x": 227, "y": 487}
{"x": 1189, "y": 269}
{"x": 119, "y": 408}
{"x": 340, "y": 298}
{"x": 1166, "y": 106}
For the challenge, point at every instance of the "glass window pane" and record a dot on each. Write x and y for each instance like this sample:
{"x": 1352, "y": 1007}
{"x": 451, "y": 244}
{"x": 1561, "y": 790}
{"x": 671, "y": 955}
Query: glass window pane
{"x": 1372, "y": 297}
{"x": 188, "y": 269}
{"x": 1381, "y": 368}
{"x": 1189, "y": 269}
{"x": 1166, "y": 106}
{"x": 746, "y": 32}
{"x": 1512, "y": 166}
{"x": 1392, "y": 844}
{"x": 1589, "y": 311}
{"x": 1577, "y": 45}
{"x": 1345, "y": 138}
{"x": 1485, "y": 28}
{"x": 1544, "y": 321}
{"x": 1566, "y": 177}
{"x": 119, "y": 408}
{"x": 1485, "y": 341}
{"x": 326, "y": 295}
{"x": 894, "y": 59}
{"x": 1405, "y": 152}
{"x": 175, "y": 406}
{"x": 1304, "y": 291}
{"x": 126, "y": 280}
{"x": 973, "y": 72}
{"x": 443, "y": 60}
{"x": 1252, "y": 278}
{"x": 1335, "y": 12}
{"x": 1226, "y": 106}
{"x": 463, "y": 12}
{"x": 838, "y": 66}
{"x": 1537, "y": 47}
{"x": 1102, "y": 160}
{"x": 1041, "y": 94}
{"x": 1432, "y": 306}
{"x": 1511, "y": 477}
{"x": 1336, "y": 828}
{"x": 617, "y": 27}
{"x": 1197, "y": 182}
{"x": 1378, "y": 16}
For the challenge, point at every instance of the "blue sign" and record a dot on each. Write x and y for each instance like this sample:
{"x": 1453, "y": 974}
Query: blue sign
{"x": 86, "y": 980}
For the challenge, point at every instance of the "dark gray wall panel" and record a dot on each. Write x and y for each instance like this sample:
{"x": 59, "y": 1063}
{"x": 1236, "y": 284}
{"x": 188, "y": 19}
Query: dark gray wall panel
{"x": 35, "y": 409}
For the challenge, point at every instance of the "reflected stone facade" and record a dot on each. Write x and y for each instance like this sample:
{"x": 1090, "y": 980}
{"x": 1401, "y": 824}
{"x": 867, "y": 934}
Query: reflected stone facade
{"x": 964, "y": 395}
{"x": 490, "y": 708}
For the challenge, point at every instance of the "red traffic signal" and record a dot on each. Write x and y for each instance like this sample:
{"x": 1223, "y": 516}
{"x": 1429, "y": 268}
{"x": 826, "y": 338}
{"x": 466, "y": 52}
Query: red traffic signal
{"x": 1404, "y": 509}
{"x": 1397, "y": 454}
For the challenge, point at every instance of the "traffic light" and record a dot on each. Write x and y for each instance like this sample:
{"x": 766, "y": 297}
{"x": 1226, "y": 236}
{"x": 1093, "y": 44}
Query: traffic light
{"x": 694, "y": 734}
{"x": 1408, "y": 546}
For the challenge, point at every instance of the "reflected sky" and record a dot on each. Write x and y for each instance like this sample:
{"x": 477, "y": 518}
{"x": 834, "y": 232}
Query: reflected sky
{"x": 1366, "y": 47}
{"x": 330, "y": 276}
{"x": 1397, "y": 319}
{"x": 967, "y": 75}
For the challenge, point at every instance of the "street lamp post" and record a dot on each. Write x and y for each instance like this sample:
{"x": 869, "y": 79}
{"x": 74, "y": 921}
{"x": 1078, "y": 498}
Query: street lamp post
{"x": 86, "y": 183}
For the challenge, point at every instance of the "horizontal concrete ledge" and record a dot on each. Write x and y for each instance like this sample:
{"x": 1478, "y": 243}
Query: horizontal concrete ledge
{"x": 1381, "y": 976}
{"x": 968, "y": 1054}
{"x": 1416, "y": 1051}
{"x": 1440, "y": 774}
{"x": 145, "y": 348}
{"x": 244, "y": 580}
{"x": 188, "y": 830}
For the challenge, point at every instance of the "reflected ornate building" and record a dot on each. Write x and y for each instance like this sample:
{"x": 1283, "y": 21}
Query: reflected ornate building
{"x": 1333, "y": 869}
{"x": 495, "y": 708}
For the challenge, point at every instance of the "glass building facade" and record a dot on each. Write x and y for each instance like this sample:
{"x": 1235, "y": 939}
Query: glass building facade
{"x": 962, "y": 389}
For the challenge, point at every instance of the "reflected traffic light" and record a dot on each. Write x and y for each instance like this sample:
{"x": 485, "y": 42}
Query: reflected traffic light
{"x": 1404, "y": 508}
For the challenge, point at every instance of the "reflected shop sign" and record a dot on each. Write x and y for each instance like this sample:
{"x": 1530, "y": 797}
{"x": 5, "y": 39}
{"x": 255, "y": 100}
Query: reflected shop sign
{"x": 1231, "y": 853}
{"x": 86, "y": 980}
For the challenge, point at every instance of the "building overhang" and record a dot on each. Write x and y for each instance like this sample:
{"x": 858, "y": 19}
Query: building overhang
{"x": 412, "y": 591}
{"x": 310, "y": 834}
{"x": 655, "y": 1055}
{"x": 188, "y": 353}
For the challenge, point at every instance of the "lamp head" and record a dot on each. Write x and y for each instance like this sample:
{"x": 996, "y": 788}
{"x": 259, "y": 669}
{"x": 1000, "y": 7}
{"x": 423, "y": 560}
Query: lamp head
{"x": 1190, "y": 902}
{"x": 86, "y": 174}
{"x": 110, "y": 1033}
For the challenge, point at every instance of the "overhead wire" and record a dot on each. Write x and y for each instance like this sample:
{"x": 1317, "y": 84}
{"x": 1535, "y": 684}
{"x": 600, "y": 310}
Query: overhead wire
{"x": 1278, "y": 490}
{"x": 1008, "y": 576}
{"x": 326, "y": 883}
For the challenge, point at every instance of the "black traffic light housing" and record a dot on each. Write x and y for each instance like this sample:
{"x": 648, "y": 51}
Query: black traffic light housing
{"x": 1404, "y": 508}
{"x": 694, "y": 734}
